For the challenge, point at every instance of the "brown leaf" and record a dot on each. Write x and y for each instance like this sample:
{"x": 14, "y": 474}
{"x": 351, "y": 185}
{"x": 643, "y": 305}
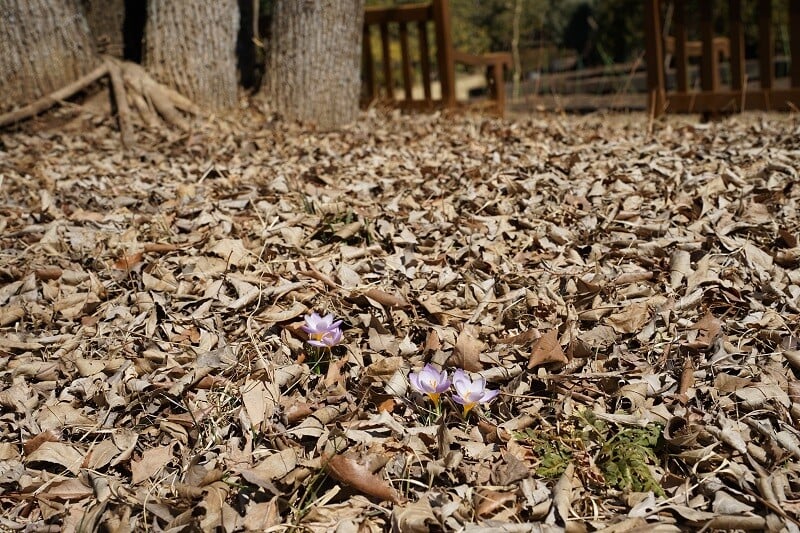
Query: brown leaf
{"x": 152, "y": 461}
{"x": 488, "y": 502}
{"x": 631, "y": 319}
{"x": 415, "y": 517}
{"x": 259, "y": 400}
{"x": 468, "y": 348}
{"x": 346, "y": 469}
{"x": 386, "y": 299}
{"x": 432, "y": 342}
{"x": 10, "y": 314}
{"x": 547, "y": 350}
{"x": 297, "y": 411}
{"x": 271, "y": 468}
{"x": 50, "y": 435}
{"x": 262, "y": 516}
{"x": 48, "y": 273}
{"x": 709, "y": 328}
{"x": 387, "y": 405}
{"x": 70, "y": 489}
{"x": 232, "y": 251}
{"x": 59, "y": 453}
{"x": 157, "y": 247}
{"x": 128, "y": 262}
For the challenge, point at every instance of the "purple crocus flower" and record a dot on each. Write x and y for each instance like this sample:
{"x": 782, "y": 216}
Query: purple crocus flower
{"x": 470, "y": 393}
{"x": 323, "y": 332}
{"x": 430, "y": 381}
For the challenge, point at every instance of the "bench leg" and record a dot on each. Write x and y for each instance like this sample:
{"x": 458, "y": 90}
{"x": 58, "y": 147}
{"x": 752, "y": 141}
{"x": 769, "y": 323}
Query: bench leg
{"x": 497, "y": 89}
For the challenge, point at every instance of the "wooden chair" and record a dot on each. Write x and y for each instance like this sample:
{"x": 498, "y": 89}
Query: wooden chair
{"x": 436, "y": 14}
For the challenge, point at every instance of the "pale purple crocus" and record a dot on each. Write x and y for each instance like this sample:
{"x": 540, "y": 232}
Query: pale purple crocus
{"x": 323, "y": 332}
{"x": 469, "y": 392}
{"x": 430, "y": 381}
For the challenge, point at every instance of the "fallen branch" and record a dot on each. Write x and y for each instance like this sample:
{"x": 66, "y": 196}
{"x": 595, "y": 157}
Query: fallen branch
{"x": 52, "y": 99}
{"x": 129, "y": 83}
{"x": 123, "y": 111}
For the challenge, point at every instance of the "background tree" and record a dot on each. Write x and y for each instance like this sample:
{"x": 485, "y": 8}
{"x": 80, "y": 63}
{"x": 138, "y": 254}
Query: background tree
{"x": 191, "y": 47}
{"x": 44, "y": 45}
{"x": 314, "y": 59}
{"x": 106, "y": 20}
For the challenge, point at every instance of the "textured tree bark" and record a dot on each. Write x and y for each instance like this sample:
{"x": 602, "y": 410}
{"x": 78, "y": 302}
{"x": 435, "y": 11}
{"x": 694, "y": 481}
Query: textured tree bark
{"x": 314, "y": 59}
{"x": 106, "y": 19}
{"x": 190, "y": 46}
{"x": 44, "y": 46}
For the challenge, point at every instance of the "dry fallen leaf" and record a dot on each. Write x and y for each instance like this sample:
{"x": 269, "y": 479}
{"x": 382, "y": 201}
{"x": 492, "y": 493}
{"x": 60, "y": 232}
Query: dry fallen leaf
{"x": 348, "y": 470}
{"x": 547, "y": 350}
{"x": 150, "y": 306}
{"x": 468, "y": 348}
{"x": 414, "y": 517}
{"x": 488, "y": 502}
{"x": 386, "y": 299}
{"x": 273, "y": 467}
{"x": 152, "y": 461}
{"x": 50, "y": 435}
{"x": 631, "y": 319}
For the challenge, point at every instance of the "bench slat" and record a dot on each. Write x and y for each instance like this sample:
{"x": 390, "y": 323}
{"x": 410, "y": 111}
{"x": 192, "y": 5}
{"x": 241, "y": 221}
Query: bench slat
{"x": 386, "y": 54}
{"x": 425, "y": 60}
{"x": 408, "y": 81}
{"x": 434, "y": 14}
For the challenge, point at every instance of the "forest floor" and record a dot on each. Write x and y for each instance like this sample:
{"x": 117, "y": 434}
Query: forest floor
{"x": 631, "y": 289}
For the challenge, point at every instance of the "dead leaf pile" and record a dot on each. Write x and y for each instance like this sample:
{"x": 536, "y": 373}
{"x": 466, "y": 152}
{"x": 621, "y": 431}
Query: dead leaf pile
{"x": 634, "y": 296}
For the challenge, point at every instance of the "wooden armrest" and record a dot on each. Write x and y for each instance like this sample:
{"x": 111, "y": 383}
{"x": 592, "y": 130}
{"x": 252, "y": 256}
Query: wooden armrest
{"x": 491, "y": 59}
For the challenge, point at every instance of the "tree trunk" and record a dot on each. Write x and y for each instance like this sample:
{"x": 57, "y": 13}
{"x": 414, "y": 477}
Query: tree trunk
{"x": 190, "y": 46}
{"x": 314, "y": 59}
{"x": 44, "y": 46}
{"x": 106, "y": 19}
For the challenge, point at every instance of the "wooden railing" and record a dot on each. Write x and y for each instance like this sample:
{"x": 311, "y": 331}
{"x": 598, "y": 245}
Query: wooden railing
{"x": 712, "y": 96}
{"x": 435, "y": 14}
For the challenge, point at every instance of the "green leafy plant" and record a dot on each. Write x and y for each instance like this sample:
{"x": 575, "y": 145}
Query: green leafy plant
{"x": 554, "y": 453}
{"x": 622, "y": 455}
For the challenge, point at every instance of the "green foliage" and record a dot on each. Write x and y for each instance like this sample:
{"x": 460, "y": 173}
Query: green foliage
{"x": 554, "y": 454}
{"x": 622, "y": 455}
{"x": 620, "y": 32}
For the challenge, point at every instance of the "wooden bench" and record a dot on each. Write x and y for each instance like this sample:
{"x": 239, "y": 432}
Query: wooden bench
{"x": 435, "y": 14}
{"x": 713, "y": 97}
{"x": 721, "y": 46}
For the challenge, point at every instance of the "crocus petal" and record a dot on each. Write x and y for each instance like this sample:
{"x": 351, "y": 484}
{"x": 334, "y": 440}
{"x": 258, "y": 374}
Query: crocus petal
{"x": 470, "y": 393}
{"x": 443, "y": 386}
{"x": 489, "y": 395}
{"x": 461, "y": 380}
{"x": 331, "y": 338}
{"x": 311, "y": 323}
{"x": 413, "y": 377}
{"x": 458, "y": 399}
{"x": 318, "y": 344}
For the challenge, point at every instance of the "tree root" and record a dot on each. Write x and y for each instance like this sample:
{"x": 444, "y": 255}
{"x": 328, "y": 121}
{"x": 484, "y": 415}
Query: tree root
{"x": 130, "y": 84}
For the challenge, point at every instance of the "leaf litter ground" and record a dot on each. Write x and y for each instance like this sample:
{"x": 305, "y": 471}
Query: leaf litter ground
{"x": 634, "y": 296}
